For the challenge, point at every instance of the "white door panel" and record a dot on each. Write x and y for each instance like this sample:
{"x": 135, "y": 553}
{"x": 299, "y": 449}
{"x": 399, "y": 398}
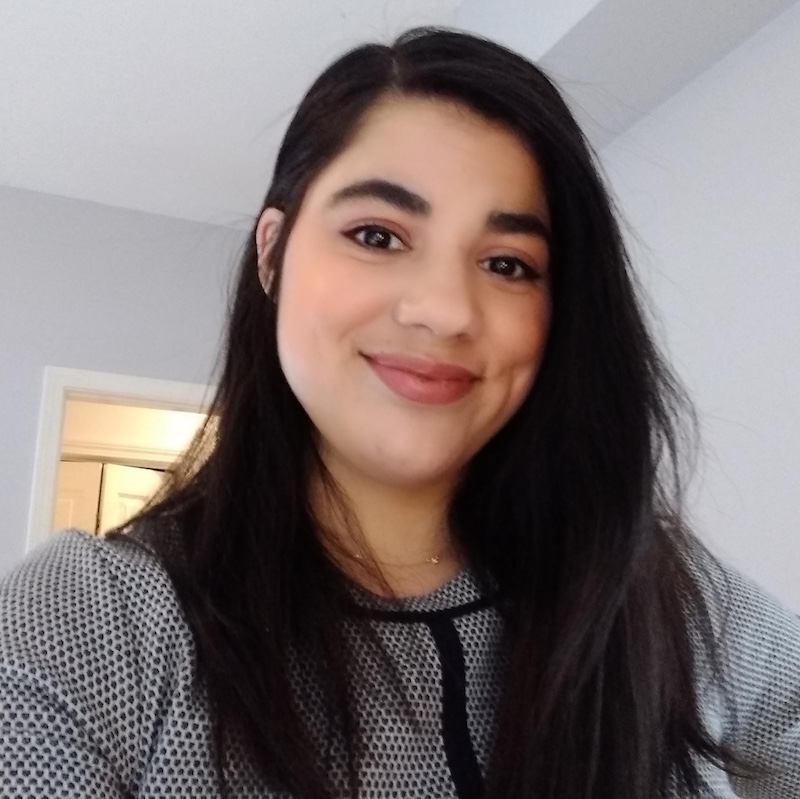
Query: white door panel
{"x": 77, "y": 495}
{"x": 125, "y": 490}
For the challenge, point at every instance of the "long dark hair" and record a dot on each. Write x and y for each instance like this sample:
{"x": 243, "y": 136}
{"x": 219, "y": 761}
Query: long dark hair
{"x": 573, "y": 510}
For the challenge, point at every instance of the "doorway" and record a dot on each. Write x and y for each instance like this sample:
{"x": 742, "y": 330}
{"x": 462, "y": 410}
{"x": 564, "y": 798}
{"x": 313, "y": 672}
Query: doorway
{"x": 104, "y": 443}
{"x": 113, "y": 459}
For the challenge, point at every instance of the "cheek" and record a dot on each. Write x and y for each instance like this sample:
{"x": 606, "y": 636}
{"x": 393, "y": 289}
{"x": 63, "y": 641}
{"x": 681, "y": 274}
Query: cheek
{"x": 320, "y": 315}
{"x": 522, "y": 339}
{"x": 323, "y": 305}
{"x": 299, "y": 307}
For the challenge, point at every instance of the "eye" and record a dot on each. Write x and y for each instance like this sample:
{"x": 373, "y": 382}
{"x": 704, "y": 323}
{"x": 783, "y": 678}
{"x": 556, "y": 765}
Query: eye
{"x": 510, "y": 267}
{"x": 376, "y": 237}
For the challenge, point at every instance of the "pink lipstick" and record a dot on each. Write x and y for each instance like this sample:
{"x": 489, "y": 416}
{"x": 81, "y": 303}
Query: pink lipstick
{"x": 418, "y": 380}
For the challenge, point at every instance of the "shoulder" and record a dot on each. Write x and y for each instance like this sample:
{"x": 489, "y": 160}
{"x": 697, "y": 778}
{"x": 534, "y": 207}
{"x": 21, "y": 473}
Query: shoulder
{"x": 758, "y": 638}
{"x": 92, "y": 637}
{"x": 73, "y": 552}
{"x": 88, "y": 589}
{"x": 750, "y": 624}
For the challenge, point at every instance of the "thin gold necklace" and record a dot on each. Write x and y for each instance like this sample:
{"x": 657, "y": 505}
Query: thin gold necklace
{"x": 433, "y": 560}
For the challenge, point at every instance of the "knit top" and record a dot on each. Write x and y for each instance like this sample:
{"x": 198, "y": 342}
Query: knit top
{"x": 100, "y": 696}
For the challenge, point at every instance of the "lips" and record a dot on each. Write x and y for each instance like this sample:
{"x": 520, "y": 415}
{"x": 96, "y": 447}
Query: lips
{"x": 419, "y": 380}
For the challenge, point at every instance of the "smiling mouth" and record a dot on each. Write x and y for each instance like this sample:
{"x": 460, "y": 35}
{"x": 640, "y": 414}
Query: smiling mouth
{"x": 424, "y": 382}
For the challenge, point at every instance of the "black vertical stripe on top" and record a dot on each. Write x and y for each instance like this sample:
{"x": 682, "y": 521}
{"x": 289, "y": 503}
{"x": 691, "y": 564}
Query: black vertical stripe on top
{"x": 455, "y": 730}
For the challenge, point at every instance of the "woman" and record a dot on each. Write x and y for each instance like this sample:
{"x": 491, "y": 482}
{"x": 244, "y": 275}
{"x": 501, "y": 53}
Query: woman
{"x": 431, "y": 543}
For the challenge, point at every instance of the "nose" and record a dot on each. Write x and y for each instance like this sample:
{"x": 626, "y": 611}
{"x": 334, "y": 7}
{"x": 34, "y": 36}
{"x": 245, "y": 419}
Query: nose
{"x": 440, "y": 296}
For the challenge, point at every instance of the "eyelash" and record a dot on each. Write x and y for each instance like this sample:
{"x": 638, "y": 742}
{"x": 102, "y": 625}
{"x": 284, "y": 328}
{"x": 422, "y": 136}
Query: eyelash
{"x": 528, "y": 272}
{"x": 355, "y": 234}
{"x": 357, "y": 231}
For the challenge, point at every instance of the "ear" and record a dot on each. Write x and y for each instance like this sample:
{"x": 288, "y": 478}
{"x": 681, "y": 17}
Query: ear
{"x": 269, "y": 225}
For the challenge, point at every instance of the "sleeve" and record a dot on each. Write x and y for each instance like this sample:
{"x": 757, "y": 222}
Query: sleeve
{"x": 80, "y": 678}
{"x": 761, "y": 645}
{"x": 45, "y": 748}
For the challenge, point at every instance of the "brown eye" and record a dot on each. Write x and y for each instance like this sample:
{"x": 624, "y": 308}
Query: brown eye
{"x": 510, "y": 267}
{"x": 376, "y": 237}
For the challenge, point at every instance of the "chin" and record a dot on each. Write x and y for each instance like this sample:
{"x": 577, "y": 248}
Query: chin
{"x": 412, "y": 478}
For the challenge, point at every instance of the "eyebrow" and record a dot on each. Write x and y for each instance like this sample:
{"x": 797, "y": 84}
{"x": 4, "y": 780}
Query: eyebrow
{"x": 510, "y": 222}
{"x": 391, "y": 193}
{"x": 406, "y": 200}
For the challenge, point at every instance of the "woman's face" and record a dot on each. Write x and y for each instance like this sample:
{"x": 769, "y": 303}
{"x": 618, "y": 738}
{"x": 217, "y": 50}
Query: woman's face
{"x": 414, "y": 301}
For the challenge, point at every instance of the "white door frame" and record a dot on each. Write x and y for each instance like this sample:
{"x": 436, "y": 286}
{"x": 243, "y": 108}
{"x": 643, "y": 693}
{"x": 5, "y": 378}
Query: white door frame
{"x": 60, "y": 384}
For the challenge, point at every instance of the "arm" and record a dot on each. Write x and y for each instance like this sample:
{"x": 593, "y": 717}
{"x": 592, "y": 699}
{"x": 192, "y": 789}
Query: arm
{"x": 762, "y": 639}
{"x": 45, "y": 749}
{"x": 83, "y": 670}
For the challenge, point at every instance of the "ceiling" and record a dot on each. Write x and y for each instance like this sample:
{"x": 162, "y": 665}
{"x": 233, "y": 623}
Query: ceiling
{"x": 177, "y": 108}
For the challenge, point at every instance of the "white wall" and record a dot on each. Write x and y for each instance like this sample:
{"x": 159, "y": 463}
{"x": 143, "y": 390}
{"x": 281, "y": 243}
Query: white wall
{"x": 529, "y": 26}
{"x": 710, "y": 182}
{"x": 87, "y": 286}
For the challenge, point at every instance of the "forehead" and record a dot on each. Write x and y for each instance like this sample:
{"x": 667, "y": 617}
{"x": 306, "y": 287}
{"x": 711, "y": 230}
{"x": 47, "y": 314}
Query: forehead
{"x": 438, "y": 148}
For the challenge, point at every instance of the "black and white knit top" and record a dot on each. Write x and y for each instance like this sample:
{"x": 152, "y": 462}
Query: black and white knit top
{"x": 99, "y": 695}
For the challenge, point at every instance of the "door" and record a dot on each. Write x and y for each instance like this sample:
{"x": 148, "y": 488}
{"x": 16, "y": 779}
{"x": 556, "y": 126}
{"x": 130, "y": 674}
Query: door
{"x": 125, "y": 491}
{"x": 77, "y": 495}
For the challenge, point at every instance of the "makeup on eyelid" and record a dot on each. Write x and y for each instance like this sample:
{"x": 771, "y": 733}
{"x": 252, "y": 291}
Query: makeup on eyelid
{"x": 530, "y": 271}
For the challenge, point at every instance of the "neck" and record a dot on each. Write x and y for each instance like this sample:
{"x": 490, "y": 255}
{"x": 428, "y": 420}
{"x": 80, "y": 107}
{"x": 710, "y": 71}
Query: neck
{"x": 392, "y": 530}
